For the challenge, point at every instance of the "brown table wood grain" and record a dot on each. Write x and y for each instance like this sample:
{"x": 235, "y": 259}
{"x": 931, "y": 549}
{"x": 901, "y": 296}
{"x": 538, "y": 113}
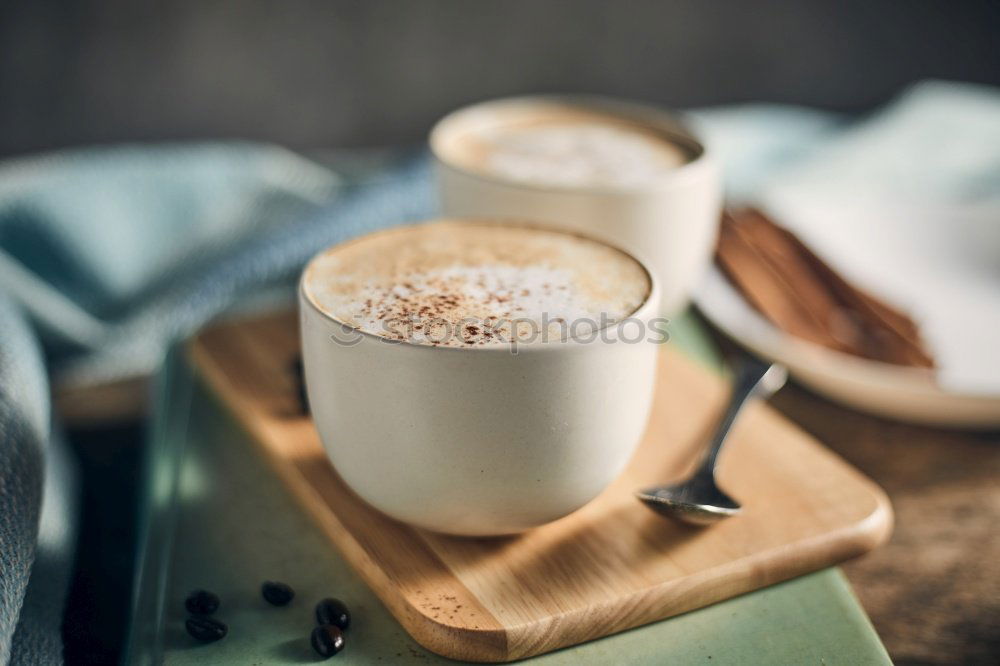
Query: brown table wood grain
{"x": 933, "y": 592}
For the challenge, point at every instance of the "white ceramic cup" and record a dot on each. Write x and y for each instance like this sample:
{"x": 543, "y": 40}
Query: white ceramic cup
{"x": 673, "y": 222}
{"x": 478, "y": 440}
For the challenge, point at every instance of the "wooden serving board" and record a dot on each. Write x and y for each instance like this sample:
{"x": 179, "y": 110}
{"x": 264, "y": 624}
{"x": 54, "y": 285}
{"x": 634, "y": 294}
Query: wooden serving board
{"x": 610, "y": 566}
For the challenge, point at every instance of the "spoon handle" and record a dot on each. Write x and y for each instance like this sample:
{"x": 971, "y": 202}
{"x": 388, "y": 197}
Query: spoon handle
{"x": 748, "y": 376}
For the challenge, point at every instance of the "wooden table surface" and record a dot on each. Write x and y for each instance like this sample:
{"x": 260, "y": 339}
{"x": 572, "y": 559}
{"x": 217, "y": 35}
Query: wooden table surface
{"x": 933, "y": 592}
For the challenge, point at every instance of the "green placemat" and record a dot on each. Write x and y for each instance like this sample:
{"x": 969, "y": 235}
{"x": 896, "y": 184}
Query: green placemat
{"x": 216, "y": 518}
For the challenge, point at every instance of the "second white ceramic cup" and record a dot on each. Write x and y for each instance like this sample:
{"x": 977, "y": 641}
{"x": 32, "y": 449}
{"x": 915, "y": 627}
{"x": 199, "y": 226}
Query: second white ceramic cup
{"x": 673, "y": 223}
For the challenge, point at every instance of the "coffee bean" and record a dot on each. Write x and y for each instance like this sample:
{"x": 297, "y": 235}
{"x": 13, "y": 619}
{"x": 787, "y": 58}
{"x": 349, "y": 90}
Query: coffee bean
{"x": 277, "y": 594}
{"x": 201, "y": 602}
{"x": 333, "y": 611}
{"x": 206, "y": 629}
{"x": 327, "y": 640}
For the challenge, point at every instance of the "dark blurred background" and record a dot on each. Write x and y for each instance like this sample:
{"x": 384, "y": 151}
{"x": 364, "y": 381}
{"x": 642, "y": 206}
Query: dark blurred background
{"x": 337, "y": 72}
{"x": 318, "y": 74}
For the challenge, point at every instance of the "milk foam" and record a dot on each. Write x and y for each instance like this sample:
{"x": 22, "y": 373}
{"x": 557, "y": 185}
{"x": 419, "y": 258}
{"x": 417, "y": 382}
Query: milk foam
{"x": 579, "y": 154}
{"x": 467, "y": 284}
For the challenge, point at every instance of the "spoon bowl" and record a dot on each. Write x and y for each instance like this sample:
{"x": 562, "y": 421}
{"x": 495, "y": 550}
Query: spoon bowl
{"x": 698, "y": 500}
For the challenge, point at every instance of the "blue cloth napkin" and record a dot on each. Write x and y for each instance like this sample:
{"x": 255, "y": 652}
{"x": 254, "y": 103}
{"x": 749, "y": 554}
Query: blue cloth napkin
{"x": 106, "y": 257}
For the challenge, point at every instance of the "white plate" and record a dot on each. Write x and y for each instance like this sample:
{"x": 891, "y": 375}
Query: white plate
{"x": 896, "y": 392}
{"x": 942, "y": 267}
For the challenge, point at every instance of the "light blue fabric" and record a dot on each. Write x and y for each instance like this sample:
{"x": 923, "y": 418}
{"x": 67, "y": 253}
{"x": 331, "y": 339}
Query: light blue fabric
{"x": 753, "y": 141}
{"x": 24, "y": 447}
{"x": 108, "y": 255}
{"x": 937, "y": 143}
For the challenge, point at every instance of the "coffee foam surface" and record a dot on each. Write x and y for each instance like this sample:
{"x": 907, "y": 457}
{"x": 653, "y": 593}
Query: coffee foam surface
{"x": 571, "y": 149}
{"x": 467, "y": 284}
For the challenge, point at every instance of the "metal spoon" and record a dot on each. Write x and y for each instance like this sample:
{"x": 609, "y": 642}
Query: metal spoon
{"x": 699, "y": 500}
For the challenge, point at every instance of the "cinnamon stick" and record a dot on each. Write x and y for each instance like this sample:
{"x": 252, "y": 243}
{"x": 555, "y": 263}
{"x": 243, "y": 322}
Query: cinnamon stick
{"x": 798, "y": 292}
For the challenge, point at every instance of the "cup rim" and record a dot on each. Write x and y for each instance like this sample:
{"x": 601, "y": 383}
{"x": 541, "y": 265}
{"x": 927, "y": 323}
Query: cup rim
{"x": 649, "y": 116}
{"x": 645, "y": 310}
